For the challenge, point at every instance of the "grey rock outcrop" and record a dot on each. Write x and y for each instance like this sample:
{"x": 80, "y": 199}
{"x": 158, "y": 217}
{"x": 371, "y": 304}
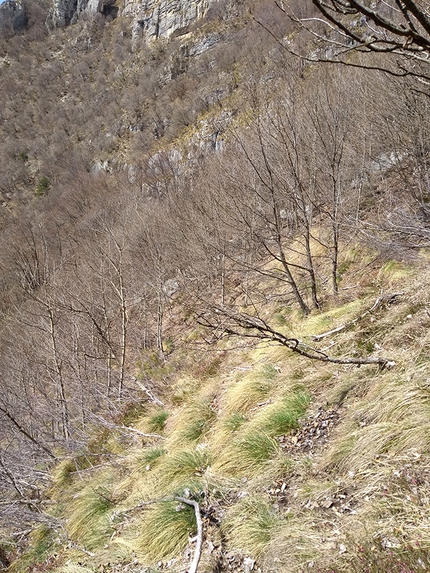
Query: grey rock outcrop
{"x": 65, "y": 12}
{"x": 61, "y": 13}
{"x": 13, "y": 17}
{"x": 153, "y": 19}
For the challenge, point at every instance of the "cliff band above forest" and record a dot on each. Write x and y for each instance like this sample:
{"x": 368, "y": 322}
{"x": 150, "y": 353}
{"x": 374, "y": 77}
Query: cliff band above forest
{"x": 153, "y": 19}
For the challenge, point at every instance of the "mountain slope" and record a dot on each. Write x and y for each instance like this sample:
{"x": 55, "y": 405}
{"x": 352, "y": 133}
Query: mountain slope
{"x": 293, "y": 464}
{"x": 214, "y": 268}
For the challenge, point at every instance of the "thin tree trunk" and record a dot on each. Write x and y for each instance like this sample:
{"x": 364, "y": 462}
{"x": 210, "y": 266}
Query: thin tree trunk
{"x": 59, "y": 378}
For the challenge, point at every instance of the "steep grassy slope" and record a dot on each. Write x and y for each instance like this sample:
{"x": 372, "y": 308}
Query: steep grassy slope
{"x": 296, "y": 465}
{"x": 147, "y": 189}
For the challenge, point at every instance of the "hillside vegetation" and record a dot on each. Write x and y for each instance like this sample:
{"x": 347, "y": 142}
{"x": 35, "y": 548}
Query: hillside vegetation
{"x": 295, "y": 465}
{"x": 214, "y": 277}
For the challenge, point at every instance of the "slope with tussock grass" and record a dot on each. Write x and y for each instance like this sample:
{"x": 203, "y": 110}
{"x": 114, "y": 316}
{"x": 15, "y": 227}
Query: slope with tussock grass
{"x": 252, "y": 444}
{"x": 251, "y": 524}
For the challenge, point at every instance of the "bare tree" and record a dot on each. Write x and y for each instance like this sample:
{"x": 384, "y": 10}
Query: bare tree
{"x": 400, "y": 28}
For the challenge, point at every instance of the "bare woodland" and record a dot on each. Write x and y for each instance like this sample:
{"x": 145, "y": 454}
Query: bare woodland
{"x": 104, "y": 269}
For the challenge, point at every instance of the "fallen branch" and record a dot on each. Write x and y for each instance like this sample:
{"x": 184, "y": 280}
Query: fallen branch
{"x": 224, "y": 320}
{"x": 385, "y": 299}
{"x": 148, "y": 392}
{"x": 199, "y": 542}
{"x": 127, "y": 429}
{"x": 138, "y": 432}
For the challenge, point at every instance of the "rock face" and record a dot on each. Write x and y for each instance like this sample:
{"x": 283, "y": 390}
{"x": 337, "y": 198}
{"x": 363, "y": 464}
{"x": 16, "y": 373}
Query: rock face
{"x": 61, "y": 13}
{"x": 65, "y": 12}
{"x": 13, "y": 17}
{"x": 152, "y": 19}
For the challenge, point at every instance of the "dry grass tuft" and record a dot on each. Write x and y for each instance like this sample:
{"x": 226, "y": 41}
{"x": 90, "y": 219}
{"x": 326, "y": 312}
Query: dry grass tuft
{"x": 250, "y": 525}
{"x": 165, "y": 530}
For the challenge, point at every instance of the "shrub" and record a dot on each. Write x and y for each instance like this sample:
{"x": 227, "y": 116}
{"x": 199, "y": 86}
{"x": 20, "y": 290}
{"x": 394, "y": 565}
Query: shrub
{"x": 43, "y": 186}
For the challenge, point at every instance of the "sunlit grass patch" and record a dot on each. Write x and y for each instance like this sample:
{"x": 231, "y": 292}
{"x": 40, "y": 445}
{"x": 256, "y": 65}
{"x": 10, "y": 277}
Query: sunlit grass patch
{"x": 253, "y": 443}
{"x": 156, "y": 422}
{"x": 198, "y": 420}
{"x": 184, "y": 467}
{"x": 165, "y": 529}
{"x": 88, "y": 515}
{"x": 65, "y": 471}
{"x": 385, "y": 554}
{"x": 62, "y": 474}
{"x": 393, "y": 271}
{"x": 141, "y": 479}
{"x": 42, "y": 542}
{"x": 73, "y": 568}
{"x": 340, "y": 450}
{"x": 282, "y": 417}
{"x": 250, "y": 525}
{"x": 298, "y": 544}
{"x": 195, "y": 420}
{"x": 234, "y": 421}
{"x": 254, "y": 387}
{"x": 183, "y": 388}
{"x": 359, "y": 450}
{"x": 324, "y": 321}
{"x": 247, "y": 453}
{"x": 151, "y": 456}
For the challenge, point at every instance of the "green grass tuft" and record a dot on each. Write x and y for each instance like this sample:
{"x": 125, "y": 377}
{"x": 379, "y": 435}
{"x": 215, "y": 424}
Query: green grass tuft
{"x": 248, "y": 452}
{"x": 157, "y": 421}
{"x": 165, "y": 530}
{"x": 269, "y": 371}
{"x": 234, "y": 421}
{"x": 257, "y": 447}
{"x": 41, "y": 545}
{"x": 254, "y": 387}
{"x": 89, "y": 514}
{"x": 152, "y": 455}
{"x": 186, "y": 464}
{"x": 195, "y": 420}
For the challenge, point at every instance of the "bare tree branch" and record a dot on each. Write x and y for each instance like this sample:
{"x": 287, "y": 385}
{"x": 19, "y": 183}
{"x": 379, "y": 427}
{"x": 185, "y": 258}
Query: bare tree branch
{"x": 126, "y": 429}
{"x": 224, "y": 320}
{"x": 381, "y": 28}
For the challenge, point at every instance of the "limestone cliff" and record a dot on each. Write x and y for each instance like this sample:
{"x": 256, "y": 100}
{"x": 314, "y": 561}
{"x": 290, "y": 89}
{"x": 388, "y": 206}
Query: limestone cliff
{"x": 13, "y": 17}
{"x": 152, "y": 19}
{"x": 65, "y": 12}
